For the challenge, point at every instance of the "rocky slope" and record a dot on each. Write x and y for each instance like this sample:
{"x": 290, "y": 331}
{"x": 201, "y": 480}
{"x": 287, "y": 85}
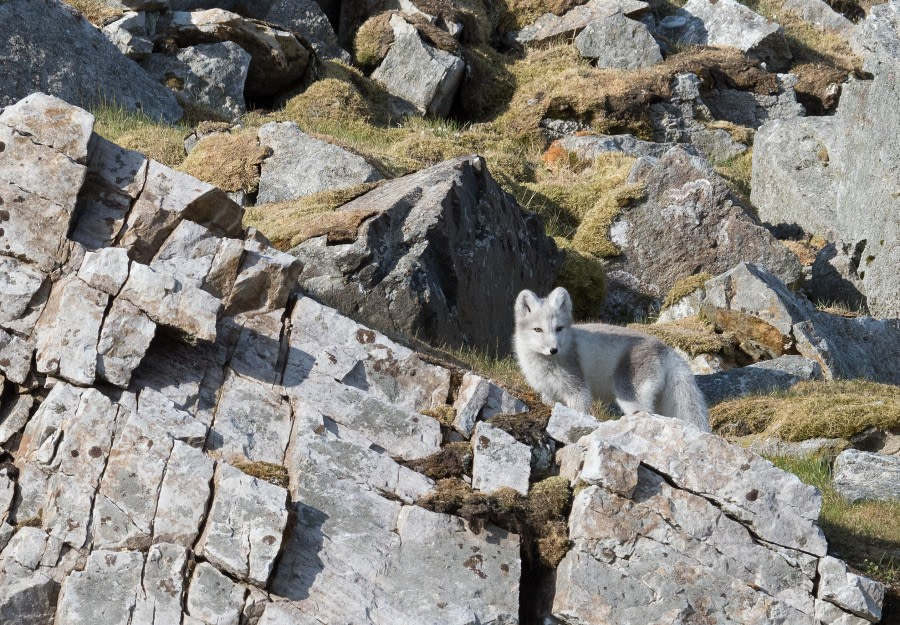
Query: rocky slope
{"x": 192, "y": 440}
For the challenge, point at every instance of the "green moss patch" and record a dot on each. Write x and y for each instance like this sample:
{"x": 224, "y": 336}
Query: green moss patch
{"x": 684, "y": 287}
{"x": 272, "y": 473}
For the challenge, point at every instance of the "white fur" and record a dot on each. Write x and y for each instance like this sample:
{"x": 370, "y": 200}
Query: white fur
{"x": 576, "y": 364}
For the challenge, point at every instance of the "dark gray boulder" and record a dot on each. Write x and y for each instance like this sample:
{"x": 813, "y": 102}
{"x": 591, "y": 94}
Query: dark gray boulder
{"x": 441, "y": 254}
{"x": 48, "y": 46}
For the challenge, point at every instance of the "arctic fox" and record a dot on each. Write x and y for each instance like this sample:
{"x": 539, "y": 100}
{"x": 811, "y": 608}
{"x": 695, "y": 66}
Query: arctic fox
{"x": 575, "y": 364}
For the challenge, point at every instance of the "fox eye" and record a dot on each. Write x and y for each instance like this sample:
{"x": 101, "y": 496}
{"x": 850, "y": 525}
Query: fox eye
{"x": 538, "y": 330}
{"x": 559, "y": 328}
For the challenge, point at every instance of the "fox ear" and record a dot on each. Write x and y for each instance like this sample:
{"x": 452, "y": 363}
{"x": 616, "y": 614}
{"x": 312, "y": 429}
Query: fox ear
{"x": 560, "y": 300}
{"x": 526, "y": 303}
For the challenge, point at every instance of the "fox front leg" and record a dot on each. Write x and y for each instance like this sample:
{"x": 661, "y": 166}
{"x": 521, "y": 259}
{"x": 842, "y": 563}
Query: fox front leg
{"x": 581, "y": 401}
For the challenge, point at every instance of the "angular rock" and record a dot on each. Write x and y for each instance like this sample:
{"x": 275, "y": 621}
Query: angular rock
{"x": 439, "y": 269}
{"x": 183, "y": 496}
{"x": 470, "y": 398}
{"x": 617, "y": 42}
{"x": 212, "y": 75}
{"x": 244, "y": 531}
{"x": 593, "y": 462}
{"x": 712, "y": 468}
{"x": 105, "y": 270}
{"x": 124, "y": 340}
{"x": 27, "y": 594}
{"x": 568, "y": 426}
{"x": 860, "y": 347}
{"x": 265, "y": 279}
{"x": 47, "y": 46}
{"x": 550, "y": 27}
{"x": 300, "y": 165}
{"x": 168, "y": 196}
{"x": 750, "y": 109}
{"x": 819, "y": 14}
{"x": 729, "y": 23}
{"x": 762, "y": 377}
{"x": 854, "y": 593}
{"x": 68, "y": 331}
{"x": 23, "y": 293}
{"x": 423, "y": 77}
{"x": 129, "y": 35}
{"x": 277, "y": 60}
{"x": 163, "y": 580}
{"x": 500, "y": 461}
{"x": 836, "y": 276}
{"x": 864, "y": 476}
{"x": 170, "y": 303}
{"x": 251, "y": 420}
{"x": 15, "y": 357}
{"x": 108, "y": 585}
{"x": 689, "y": 221}
{"x": 500, "y": 401}
{"x": 305, "y": 17}
{"x": 213, "y": 598}
{"x": 13, "y": 417}
{"x": 53, "y": 123}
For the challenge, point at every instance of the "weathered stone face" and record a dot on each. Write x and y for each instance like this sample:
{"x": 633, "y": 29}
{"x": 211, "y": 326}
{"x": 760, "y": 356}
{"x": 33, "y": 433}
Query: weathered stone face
{"x": 446, "y": 250}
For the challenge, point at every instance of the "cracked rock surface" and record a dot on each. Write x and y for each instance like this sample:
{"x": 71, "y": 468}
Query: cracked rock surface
{"x": 193, "y": 440}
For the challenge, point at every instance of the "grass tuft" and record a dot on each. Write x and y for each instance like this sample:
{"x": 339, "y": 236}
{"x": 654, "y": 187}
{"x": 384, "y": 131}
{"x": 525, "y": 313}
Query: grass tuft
{"x": 833, "y": 409}
{"x": 228, "y": 160}
{"x": 136, "y": 131}
{"x": 684, "y": 287}
{"x": 272, "y": 473}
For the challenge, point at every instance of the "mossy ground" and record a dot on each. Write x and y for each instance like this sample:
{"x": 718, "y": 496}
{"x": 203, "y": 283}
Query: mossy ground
{"x": 272, "y": 473}
{"x": 866, "y": 535}
{"x": 96, "y": 12}
{"x": 228, "y": 160}
{"x": 692, "y": 335}
{"x": 832, "y": 409}
{"x": 684, "y": 287}
{"x": 159, "y": 141}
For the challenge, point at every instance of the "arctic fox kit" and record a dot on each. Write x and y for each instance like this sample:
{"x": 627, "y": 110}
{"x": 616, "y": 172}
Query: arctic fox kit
{"x": 575, "y": 364}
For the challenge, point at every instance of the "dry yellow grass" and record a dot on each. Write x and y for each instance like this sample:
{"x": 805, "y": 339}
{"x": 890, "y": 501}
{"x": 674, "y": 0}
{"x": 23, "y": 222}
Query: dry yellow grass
{"x": 96, "y": 12}
{"x": 272, "y": 473}
{"x": 373, "y": 40}
{"x": 683, "y": 287}
{"x": 287, "y": 224}
{"x": 135, "y": 131}
{"x": 691, "y": 335}
{"x": 835, "y": 409}
{"x": 228, "y": 160}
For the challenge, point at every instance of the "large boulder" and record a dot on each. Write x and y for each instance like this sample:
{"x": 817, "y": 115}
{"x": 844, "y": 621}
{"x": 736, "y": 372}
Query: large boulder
{"x": 728, "y": 23}
{"x": 818, "y": 172}
{"x": 440, "y": 254}
{"x": 423, "y": 77}
{"x": 47, "y": 46}
{"x": 673, "y": 525}
{"x": 688, "y": 222}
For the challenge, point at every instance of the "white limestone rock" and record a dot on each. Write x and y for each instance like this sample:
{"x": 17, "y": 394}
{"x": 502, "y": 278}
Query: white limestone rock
{"x": 499, "y": 460}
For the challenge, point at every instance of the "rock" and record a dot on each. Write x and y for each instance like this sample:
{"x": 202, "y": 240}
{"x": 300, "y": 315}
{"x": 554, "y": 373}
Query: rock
{"x": 27, "y": 594}
{"x": 500, "y": 461}
{"x": 729, "y": 23}
{"x": 864, "y": 476}
{"x": 23, "y": 293}
{"x": 47, "y": 46}
{"x": 451, "y": 261}
{"x": 762, "y": 377}
{"x": 836, "y": 276}
{"x": 550, "y": 27}
{"x": 750, "y": 109}
{"x": 258, "y": 509}
{"x": 183, "y": 496}
{"x": 251, "y": 420}
{"x": 129, "y": 34}
{"x": 589, "y": 147}
{"x": 213, "y": 598}
{"x": 15, "y": 357}
{"x": 305, "y": 17}
{"x": 67, "y": 335}
{"x": 617, "y": 42}
{"x": 860, "y": 347}
{"x": 53, "y": 123}
{"x": 854, "y": 593}
{"x": 13, "y": 417}
{"x": 108, "y": 586}
{"x": 828, "y": 158}
{"x": 710, "y": 467}
{"x": 264, "y": 281}
{"x": 277, "y": 58}
{"x": 470, "y": 397}
{"x": 689, "y": 221}
{"x": 592, "y": 462}
{"x": 163, "y": 580}
{"x": 819, "y": 14}
{"x": 568, "y": 426}
{"x": 800, "y": 450}
{"x": 212, "y": 75}
{"x": 425, "y": 78}
{"x": 105, "y": 270}
{"x": 169, "y": 196}
{"x": 301, "y": 166}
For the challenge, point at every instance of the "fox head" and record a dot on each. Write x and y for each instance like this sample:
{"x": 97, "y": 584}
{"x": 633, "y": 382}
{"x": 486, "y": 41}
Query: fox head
{"x": 542, "y": 325}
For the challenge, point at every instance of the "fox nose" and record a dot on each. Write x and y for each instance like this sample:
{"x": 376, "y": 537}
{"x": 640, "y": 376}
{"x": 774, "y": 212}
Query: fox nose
{"x": 553, "y": 350}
